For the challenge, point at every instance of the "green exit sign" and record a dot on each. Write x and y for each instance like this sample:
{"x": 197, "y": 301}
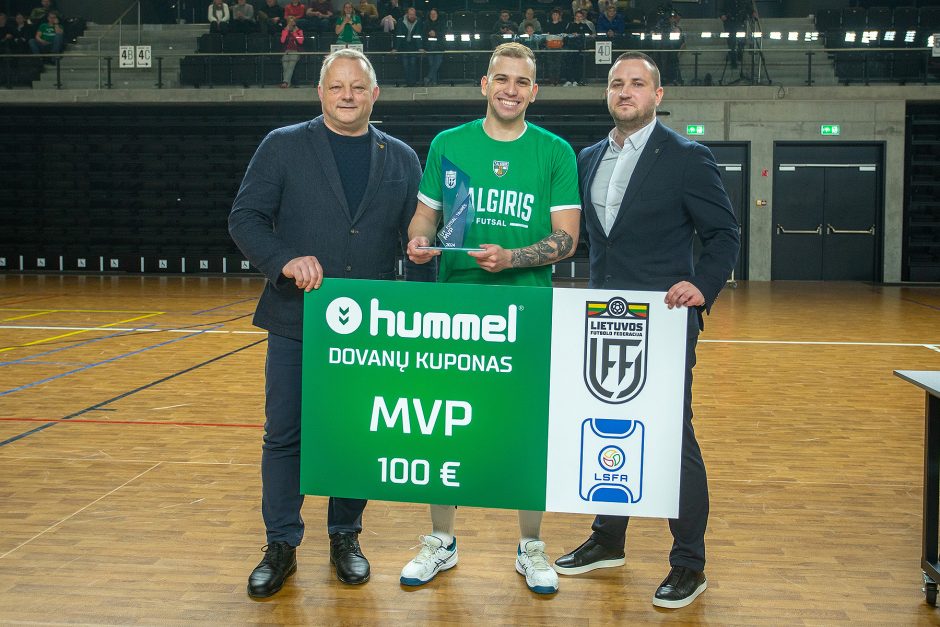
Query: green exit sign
{"x": 830, "y": 129}
{"x": 695, "y": 129}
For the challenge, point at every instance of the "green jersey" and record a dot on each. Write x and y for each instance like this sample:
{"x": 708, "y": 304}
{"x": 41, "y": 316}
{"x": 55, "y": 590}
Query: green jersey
{"x": 515, "y": 185}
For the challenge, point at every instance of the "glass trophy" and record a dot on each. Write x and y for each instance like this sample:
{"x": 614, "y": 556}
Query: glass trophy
{"x": 459, "y": 212}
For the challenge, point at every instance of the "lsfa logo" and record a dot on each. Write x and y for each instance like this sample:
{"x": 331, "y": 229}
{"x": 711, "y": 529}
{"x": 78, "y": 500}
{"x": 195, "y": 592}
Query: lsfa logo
{"x": 615, "y": 336}
{"x": 612, "y": 460}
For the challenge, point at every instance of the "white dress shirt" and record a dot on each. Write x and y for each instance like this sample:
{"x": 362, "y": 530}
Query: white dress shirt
{"x": 614, "y": 172}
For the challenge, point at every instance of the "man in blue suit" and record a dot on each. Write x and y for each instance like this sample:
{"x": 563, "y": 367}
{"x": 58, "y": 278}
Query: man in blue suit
{"x": 304, "y": 212}
{"x": 647, "y": 192}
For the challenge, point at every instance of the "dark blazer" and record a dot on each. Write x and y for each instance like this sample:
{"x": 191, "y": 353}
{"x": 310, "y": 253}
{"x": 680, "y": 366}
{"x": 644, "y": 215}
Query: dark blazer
{"x": 291, "y": 204}
{"x": 674, "y": 193}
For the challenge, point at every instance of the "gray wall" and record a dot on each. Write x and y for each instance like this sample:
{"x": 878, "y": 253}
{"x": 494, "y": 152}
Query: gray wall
{"x": 761, "y": 116}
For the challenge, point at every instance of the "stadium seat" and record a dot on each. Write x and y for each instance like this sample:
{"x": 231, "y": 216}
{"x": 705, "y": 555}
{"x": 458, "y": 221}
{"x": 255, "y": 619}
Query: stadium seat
{"x": 930, "y": 18}
{"x": 854, "y": 18}
{"x": 905, "y": 18}
{"x": 879, "y": 18}
{"x": 209, "y": 42}
{"x": 234, "y": 43}
{"x": 259, "y": 42}
{"x": 463, "y": 22}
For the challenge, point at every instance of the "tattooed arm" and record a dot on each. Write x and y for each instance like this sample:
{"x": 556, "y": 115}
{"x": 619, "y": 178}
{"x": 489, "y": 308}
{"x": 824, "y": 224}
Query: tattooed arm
{"x": 550, "y": 249}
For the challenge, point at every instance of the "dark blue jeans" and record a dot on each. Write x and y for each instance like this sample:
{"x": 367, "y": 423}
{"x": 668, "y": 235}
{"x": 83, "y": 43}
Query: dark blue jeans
{"x": 410, "y": 62}
{"x": 281, "y": 499}
{"x": 688, "y": 530}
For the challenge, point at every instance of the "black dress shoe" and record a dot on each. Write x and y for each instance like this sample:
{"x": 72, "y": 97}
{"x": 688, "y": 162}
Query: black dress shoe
{"x": 587, "y": 557}
{"x": 351, "y": 565}
{"x": 680, "y": 587}
{"x": 279, "y": 563}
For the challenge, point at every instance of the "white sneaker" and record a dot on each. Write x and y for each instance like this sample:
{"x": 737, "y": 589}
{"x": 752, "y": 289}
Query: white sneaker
{"x": 532, "y": 562}
{"x": 431, "y": 559}
{"x": 568, "y": 83}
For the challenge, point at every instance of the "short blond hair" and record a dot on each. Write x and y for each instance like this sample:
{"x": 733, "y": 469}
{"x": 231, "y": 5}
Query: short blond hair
{"x": 349, "y": 53}
{"x": 513, "y": 50}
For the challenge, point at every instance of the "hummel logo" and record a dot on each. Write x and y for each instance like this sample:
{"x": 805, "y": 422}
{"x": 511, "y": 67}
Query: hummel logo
{"x": 344, "y": 315}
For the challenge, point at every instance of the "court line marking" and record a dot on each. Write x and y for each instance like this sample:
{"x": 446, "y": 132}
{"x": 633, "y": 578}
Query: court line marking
{"x": 137, "y": 311}
{"x": 137, "y": 422}
{"x": 237, "y": 302}
{"x": 30, "y": 358}
{"x": 134, "y": 391}
{"x": 59, "y": 337}
{"x": 124, "y": 329}
{"x": 94, "y": 364}
{"x": 817, "y": 343}
{"x": 79, "y": 511}
{"x": 701, "y": 341}
{"x": 32, "y": 315}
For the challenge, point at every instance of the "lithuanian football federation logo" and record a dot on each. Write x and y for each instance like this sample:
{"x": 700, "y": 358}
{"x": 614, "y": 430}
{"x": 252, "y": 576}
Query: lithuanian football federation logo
{"x": 500, "y": 168}
{"x": 615, "y": 337}
{"x": 450, "y": 179}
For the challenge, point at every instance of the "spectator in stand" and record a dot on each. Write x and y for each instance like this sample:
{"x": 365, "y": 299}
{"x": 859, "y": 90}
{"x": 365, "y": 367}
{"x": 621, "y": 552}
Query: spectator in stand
{"x": 6, "y": 35}
{"x": 348, "y": 26}
{"x": 299, "y": 11}
{"x": 292, "y": 38}
{"x": 39, "y": 14}
{"x": 370, "y": 16}
{"x": 603, "y": 4}
{"x": 530, "y": 38}
{"x": 434, "y": 30}
{"x": 611, "y": 23}
{"x": 555, "y": 24}
{"x": 50, "y": 38}
{"x": 22, "y": 34}
{"x": 219, "y": 17}
{"x": 530, "y": 20}
{"x": 391, "y": 15}
{"x": 554, "y": 39}
{"x": 319, "y": 17}
{"x": 577, "y": 34}
{"x": 271, "y": 17}
{"x": 504, "y": 29}
{"x": 243, "y": 17}
{"x": 409, "y": 40}
{"x": 583, "y": 5}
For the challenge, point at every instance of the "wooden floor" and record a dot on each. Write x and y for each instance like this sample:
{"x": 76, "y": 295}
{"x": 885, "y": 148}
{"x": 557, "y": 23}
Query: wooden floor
{"x": 130, "y": 432}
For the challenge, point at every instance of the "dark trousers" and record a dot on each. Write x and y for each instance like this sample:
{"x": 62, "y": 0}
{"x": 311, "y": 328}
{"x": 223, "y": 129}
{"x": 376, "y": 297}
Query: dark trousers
{"x": 688, "y": 530}
{"x": 281, "y": 499}
{"x": 410, "y": 61}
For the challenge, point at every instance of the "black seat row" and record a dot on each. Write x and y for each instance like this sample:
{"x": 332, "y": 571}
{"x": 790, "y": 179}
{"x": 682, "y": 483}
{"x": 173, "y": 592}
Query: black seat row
{"x": 878, "y": 18}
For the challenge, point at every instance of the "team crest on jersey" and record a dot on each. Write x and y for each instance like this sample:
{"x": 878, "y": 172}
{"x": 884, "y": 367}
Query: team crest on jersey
{"x": 615, "y": 349}
{"x": 500, "y": 168}
{"x": 450, "y": 179}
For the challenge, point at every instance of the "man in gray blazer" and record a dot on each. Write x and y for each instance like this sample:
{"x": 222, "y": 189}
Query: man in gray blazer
{"x": 647, "y": 193}
{"x": 306, "y": 211}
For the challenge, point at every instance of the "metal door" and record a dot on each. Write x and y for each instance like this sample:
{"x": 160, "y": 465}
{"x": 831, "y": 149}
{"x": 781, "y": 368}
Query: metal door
{"x": 733, "y": 165}
{"x": 827, "y": 211}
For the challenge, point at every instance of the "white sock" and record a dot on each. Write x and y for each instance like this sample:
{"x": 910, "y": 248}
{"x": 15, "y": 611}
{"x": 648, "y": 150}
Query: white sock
{"x": 530, "y": 525}
{"x": 443, "y": 518}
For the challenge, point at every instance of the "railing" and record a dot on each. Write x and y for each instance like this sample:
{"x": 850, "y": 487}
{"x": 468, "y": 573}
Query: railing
{"x": 119, "y": 22}
{"x": 857, "y": 65}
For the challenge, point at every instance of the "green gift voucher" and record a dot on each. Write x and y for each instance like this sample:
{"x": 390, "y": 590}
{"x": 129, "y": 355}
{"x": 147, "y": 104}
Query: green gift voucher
{"x": 494, "y": 396}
